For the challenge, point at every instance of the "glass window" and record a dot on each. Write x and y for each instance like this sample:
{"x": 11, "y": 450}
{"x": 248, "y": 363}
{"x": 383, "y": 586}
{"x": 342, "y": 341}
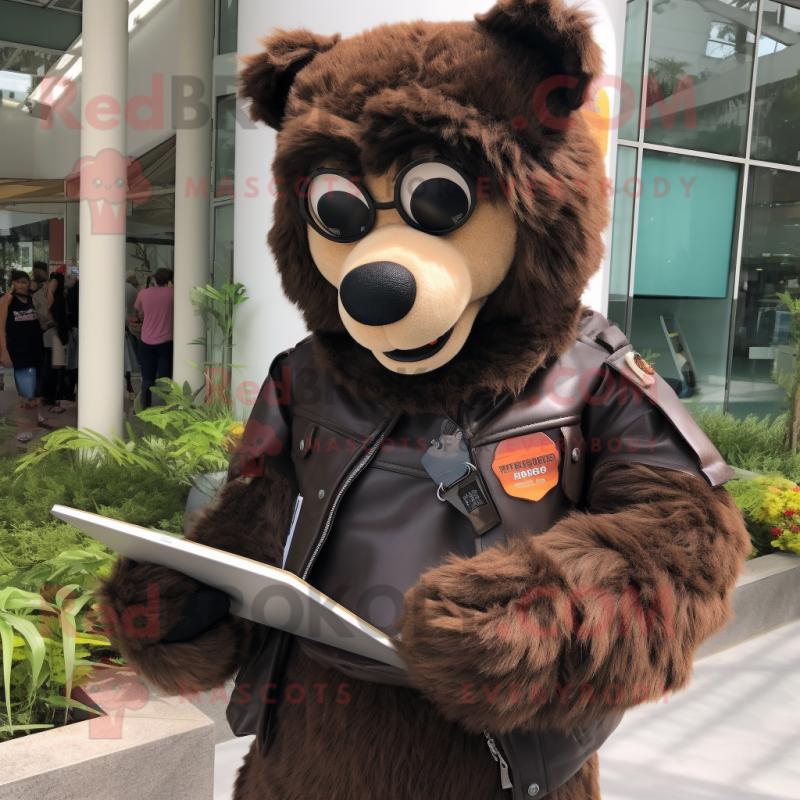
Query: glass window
{"x": 223, "y": 244}
{"x": 762, "y": 355}
{"x": 68, "y": 5}
{"x": 686, "y": 222}
{"x": 776, "y": 120}
{"x": 226, "y": 146}
{"x": 633, "y": 65}
{"x": 700, "y": 73}
{"x": 622, "y": 236}
{"x": 228, "y": 26}
{"x": 681, "y": 306}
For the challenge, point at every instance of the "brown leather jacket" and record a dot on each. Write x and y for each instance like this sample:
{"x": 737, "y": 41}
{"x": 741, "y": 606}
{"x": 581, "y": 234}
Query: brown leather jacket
{"x": 372, "y": 520}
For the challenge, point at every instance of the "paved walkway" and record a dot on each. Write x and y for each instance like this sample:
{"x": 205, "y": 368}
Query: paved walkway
{"x": 734, "y": 735}
{"x": 28, "y": 421}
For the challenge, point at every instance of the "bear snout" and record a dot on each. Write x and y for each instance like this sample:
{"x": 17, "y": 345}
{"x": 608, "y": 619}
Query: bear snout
{"x": 379, "y": 293}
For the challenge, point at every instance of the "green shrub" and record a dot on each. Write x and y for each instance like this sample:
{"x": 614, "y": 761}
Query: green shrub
{"x": 751, "y": 443}
{"x": 30, "y": 535}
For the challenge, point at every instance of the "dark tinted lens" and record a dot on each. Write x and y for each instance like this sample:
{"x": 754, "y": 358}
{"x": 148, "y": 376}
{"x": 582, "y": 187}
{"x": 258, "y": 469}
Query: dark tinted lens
{"x": 438, "y": 204}
{"x": 342, "y": 214}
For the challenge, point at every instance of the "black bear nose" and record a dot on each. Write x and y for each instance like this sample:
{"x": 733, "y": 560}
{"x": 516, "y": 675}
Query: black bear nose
{"x": 379, "y": 293}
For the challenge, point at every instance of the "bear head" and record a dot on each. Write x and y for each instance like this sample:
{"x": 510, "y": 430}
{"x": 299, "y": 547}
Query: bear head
{"x": 440, "y": 197}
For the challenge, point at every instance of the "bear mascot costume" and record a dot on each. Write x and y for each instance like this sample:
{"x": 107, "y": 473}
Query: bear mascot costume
{"x": 460, "y": 453}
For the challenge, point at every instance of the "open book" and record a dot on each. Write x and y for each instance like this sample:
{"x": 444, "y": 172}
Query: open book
{"x": 263, "y": 594}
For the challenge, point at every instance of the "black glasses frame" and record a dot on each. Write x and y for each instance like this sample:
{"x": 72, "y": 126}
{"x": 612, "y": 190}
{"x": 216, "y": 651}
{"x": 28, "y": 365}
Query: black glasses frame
{"x": 375, "y": 206}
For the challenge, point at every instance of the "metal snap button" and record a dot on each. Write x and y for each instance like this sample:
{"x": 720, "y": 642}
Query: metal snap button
{"x": 533, "y": 789}
{"x": 576, "y": 455}
{"x": 321, "y": 494}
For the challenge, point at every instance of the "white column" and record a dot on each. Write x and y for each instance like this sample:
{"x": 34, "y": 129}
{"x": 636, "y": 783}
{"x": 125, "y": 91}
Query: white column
{"x": 609, "y": 31}
{"x": 102, "y": 246}
{"x": 193, "y": 168}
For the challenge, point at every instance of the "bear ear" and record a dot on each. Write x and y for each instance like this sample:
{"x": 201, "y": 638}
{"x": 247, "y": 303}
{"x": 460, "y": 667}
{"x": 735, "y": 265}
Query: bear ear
{"x": 562, "y": 33}
{"x": 268, "y": 77}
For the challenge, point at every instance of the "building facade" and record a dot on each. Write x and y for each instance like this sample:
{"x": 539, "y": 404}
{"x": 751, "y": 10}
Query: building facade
{"x": 706, "y": 231}
{"x": 705, "y": 162}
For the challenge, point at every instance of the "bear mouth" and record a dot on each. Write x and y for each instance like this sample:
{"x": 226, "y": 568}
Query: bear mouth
{"x": 421, "y": 353}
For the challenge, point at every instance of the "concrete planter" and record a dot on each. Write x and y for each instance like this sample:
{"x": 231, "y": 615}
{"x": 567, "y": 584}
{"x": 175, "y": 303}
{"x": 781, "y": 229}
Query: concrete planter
{"x": 146, "y": 746}
{"x": 766, "y": 597}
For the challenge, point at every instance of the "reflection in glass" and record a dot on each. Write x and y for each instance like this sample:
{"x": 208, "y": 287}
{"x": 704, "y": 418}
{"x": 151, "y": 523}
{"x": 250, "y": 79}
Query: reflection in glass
{"x": 682, "y": 298}
{"x": 633, "y": 65}
{"x": 699, "y": 74}
{"x": 22, "y": 70}
{"x": 622, "y": 236}
{"x": 223, "y": 244}
{"x": 6, "y": 53}
{"x": 226, "y": 146}
{"x": 15, "y": 85}
{"x": 228, "y": 26}
{"x": 770, "y": 264}
{"x": 33, "y": 62}
{"x": 776, "y": 121}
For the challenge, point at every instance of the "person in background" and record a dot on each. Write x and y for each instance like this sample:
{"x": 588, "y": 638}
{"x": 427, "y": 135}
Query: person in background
{"x": 21, "y": 341}
{"x": 39, "y": 275}
{"x": 72, "y": 284}
{"x": 56, "y": 339}
{"x": 155, "y": 309}
{"x": 41, "y": 293}
{"x": 133, "y": 330}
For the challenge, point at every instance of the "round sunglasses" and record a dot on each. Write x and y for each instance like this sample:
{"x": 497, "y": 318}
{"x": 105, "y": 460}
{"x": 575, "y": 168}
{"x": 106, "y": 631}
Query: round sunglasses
{"x": 431, "y": 195}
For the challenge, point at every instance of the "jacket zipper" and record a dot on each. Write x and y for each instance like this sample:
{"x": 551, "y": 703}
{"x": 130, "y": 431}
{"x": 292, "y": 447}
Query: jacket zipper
{"x": 505, "y": 774}
{"x": 357, "y": 470}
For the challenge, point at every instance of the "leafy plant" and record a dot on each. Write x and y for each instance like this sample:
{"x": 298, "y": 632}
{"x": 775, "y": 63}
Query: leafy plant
{"x": 217, "y": 308}
{"x": 48, "y": 642}
{"x": 181, "y": 439}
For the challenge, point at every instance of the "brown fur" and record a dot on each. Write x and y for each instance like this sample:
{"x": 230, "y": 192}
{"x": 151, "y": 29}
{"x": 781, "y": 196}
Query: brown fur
{"x": 466, "y": 623}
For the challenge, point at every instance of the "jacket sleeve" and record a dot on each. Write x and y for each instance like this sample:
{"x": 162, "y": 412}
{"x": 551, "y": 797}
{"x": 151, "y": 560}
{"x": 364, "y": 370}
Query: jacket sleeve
{"x": 600, "y": 613}
{"x": 144, "y": 605}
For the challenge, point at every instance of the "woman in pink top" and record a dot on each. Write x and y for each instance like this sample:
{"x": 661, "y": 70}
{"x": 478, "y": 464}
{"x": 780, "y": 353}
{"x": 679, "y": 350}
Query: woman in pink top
{"x": 155, "y": 307}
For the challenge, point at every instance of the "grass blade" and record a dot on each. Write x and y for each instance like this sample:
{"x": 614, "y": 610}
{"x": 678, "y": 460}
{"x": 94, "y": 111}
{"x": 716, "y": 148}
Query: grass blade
{"x": 7, "y": 641}
{"x": 27, "y": 630}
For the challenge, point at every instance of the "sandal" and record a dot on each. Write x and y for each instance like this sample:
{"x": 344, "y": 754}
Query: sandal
{"x": 57, "y": 410}
{"x": 24, "y": 438}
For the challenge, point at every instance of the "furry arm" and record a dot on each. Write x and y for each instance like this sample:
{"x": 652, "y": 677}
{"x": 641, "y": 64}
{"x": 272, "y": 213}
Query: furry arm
{"x": 602, "y": 612}
{"x": 144, "y": 603}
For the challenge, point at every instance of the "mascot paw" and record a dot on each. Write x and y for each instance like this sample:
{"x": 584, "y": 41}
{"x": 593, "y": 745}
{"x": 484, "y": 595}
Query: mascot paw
{"x": 171, "y": 628}
{"x": 476, "y": 620}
